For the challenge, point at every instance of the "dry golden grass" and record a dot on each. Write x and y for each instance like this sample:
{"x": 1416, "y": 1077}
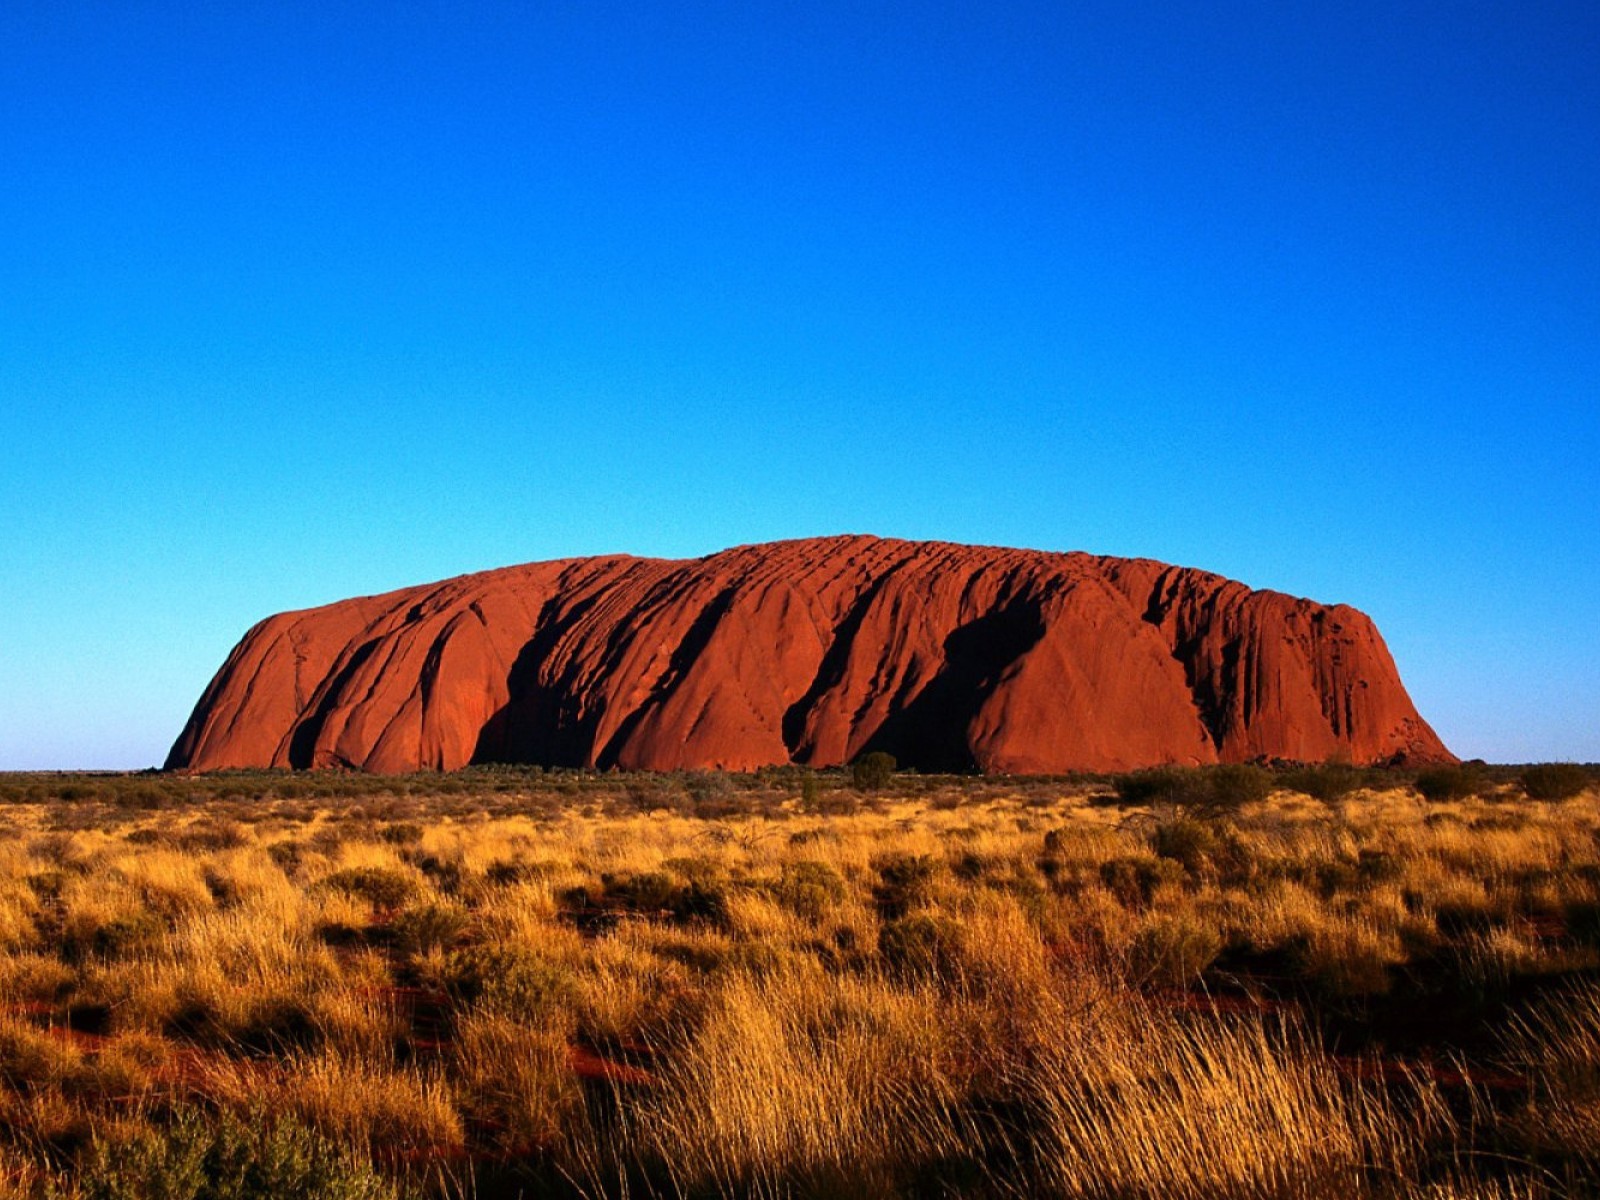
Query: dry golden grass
{"x": 593, "y": 986}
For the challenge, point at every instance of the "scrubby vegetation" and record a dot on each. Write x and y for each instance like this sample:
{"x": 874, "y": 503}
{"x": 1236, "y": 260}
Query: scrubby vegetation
{"x": 1287, "y": 982}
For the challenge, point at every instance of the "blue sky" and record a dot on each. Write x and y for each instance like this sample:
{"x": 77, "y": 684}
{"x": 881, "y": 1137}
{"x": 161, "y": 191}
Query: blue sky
{"x": 304, "y": 301}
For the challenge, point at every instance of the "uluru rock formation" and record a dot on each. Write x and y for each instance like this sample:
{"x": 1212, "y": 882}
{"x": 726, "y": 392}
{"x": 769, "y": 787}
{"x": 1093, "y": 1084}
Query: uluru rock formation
{"x": 948, "y": 657}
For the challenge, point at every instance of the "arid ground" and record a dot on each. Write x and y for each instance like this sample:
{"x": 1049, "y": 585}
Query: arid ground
{"x": 1299, "y": 983}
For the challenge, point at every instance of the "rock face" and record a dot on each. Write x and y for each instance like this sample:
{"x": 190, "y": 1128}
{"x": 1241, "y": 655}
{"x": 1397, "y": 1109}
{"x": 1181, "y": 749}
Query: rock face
{"x": 948, "y": 657}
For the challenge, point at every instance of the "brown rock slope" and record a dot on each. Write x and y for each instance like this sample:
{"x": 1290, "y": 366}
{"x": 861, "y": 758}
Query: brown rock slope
{"x": 948, "y": 657}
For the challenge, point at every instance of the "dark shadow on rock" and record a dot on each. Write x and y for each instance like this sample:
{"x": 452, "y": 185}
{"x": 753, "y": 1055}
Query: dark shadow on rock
{"x": 303, "y": 741}
{"x": 832, "y": 668}
{"x": 694, "y": 641}
{"x": 931, "y": 733}
{"x": 540, "y": 723}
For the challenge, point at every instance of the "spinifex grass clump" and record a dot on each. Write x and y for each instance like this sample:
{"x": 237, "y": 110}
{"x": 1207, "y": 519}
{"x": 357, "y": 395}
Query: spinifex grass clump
{"x": 515, "y": 983}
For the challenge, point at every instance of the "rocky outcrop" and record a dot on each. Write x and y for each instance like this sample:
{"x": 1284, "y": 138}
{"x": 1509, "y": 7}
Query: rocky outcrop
{"x": 949, "y": 657}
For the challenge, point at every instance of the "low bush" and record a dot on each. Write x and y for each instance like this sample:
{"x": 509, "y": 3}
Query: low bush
{"x": 504, "y": 872}
{"x": 1209, "y": 791}
{"x": 31, "y": 1061}
{"x": 1343, "y": 962}
{"x": 871, "y": 772}
{"x": 287, "y": 856}
{"x": 1233, "y": 785}
{"x": 212, "y": 835}
{"x": 1328, "y": 783}
{"x": 703, "y": 902}
{"x": 810, "y": 791}
{"x": 640, "y": 891}
{"x": 204, "y": 1157}
{"x": 448, "y": 874}
{"x": 1442, "y": 784}
{"x": 1158, "y": 785}
{"x": 276, "y": 1026}
{"x": 714, "y": 796}
{"x": 1554, "y": 781}
{"x": 647, "y": 894}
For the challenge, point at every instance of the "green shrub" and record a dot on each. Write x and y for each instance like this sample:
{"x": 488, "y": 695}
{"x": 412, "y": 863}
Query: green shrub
{"x": 287, "y": 855}
{"x": 146, "y": 796}
{"x": 1234, "y": 785}
{"x": 712, "y": 795}
{"x": 693, "y": 870}
{"x": 1554, "y": 781}
{"x": 200, "y": 1157}
{"x": 31, "y": 1060}
{"x": 653, "y": 893}
{"x": 640, "y": 891}
{"x": 1342, "y": 967}
{"x": 446, "y": 874}
{"x": 969, "y": 867}
{"x": 701, "y": 901}
{"x": 1380, "y": 866}
{"x": 872, "y": 771}
{"x": 208, "y": 835}
{"x": 1336, "y": 875}
{"x": 504, "y": 872}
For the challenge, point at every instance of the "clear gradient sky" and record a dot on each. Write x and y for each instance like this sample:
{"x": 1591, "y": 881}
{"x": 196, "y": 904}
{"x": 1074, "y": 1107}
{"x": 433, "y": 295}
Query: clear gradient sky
{"x": 305, "y": 301}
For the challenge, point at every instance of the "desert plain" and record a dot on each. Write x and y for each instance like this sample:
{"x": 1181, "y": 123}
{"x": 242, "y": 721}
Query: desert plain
{"x": 1222, "y": 981}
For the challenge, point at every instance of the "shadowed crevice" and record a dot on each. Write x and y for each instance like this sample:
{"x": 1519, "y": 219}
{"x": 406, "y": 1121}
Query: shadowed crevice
{"x": 303, "y": 742}
{"x": 932, "y": 733}
{"x": 830, "y": 673}
{"x": 1210, "y": 690}
{"x": 539, "y": 723}
{"x": 683, "y": 659}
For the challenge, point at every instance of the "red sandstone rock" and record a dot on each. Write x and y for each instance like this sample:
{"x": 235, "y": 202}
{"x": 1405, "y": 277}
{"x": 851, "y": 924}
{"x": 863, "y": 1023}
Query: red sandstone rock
{"x": 948, "y": 657}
